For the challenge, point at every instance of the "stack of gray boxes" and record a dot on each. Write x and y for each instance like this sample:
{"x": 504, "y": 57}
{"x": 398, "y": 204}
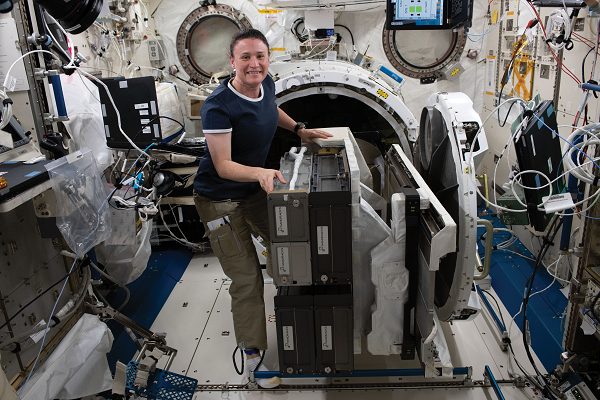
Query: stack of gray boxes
{"x": 312, "y": 265}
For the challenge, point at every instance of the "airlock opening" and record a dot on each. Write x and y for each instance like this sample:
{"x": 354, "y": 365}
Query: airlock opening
{"x": 332, "y": 110}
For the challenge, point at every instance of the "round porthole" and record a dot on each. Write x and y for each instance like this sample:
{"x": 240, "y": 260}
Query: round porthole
{"x": 203, "y": 40}
{"x": 408, "y": 53}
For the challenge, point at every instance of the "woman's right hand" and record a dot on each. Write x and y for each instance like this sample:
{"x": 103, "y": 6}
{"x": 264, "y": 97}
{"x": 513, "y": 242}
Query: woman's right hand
{"x": 265, "y": 178}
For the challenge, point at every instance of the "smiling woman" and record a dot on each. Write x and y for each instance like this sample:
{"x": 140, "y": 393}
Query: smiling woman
{"x": 239, "y": 120}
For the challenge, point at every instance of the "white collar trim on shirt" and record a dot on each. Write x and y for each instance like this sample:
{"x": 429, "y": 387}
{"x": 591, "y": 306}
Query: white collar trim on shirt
{"x": 246, "y": 97}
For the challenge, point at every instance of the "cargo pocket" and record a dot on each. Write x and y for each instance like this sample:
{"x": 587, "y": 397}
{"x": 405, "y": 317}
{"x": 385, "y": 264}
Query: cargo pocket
{"x": 225, "y": 242}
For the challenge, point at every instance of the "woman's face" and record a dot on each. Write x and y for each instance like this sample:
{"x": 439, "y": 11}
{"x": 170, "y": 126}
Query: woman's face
{"x": 251, "y": 62}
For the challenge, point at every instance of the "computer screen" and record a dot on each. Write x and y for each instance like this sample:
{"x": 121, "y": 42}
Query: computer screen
{"x": 428, "y": 14}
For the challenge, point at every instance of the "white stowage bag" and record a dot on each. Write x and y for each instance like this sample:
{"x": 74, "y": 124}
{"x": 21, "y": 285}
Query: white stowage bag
{"x": 78, "y": 367}
{"x": 169, "y": 106}
{"x": 85, "y": 124}
{"x": 390, "y": 277}
{"x": 126, "y": 263}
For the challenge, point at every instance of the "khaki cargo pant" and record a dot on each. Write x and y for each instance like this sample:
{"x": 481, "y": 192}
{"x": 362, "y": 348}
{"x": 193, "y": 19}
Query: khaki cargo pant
{"x": 232, "y": 244}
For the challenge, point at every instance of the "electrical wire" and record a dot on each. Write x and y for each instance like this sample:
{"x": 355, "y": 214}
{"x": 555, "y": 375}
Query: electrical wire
{"x": 46, "y": 331}
{"x": 7, "y": 76}
{"x": 116, "y": 110}
{"x": 549, "y": 238}
{"x": 558, "y": 61}
{"x": 34, "y": 299}
{"x": 109, "y": 277}
{"x": 482, "y": 35}
{"x": 302, "y": 37}
{"x": 349, "y": 31}
{"x": 557, "y": 18}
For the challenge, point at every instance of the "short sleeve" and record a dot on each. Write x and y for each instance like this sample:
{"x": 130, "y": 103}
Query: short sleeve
{"x": 215, "y": 118}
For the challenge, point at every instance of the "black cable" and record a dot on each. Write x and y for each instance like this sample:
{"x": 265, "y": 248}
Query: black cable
{"x": 43, "y": 293}
{"x": 242, "y": 354}
{"x": 144, "y": 126}
{"x": 234, "y": 362}
{"x": 507, "y": 113}
{"x": 529, "y": 377}
{"x": 301, "y": 37}
{"x": 135, "y": 137}
{"x": 548, "y": 239}
{"x": 583, "y": 64}
{"x": 497, "y": 306}
{"x": 349, "y": 31}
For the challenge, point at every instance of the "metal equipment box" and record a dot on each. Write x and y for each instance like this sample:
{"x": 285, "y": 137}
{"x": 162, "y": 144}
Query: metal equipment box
{"x": 331, "y": 244}
{"x": 331, "y": 220}
{"x": 288, "y": 216}
{"x": 333, "y": 329}
{"x": 508, "y": 200}
{"x": 291, "y": 263}
{"x": 295, "y": 330}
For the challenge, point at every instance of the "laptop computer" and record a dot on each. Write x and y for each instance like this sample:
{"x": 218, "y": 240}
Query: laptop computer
{"x": 21, "y": 177}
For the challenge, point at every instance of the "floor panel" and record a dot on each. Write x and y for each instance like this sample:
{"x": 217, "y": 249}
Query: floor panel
{"x": 203, "y": 334}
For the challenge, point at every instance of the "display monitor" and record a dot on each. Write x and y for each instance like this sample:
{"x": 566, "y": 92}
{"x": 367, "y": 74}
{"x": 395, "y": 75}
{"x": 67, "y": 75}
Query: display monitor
{"x": 428, "y": 14}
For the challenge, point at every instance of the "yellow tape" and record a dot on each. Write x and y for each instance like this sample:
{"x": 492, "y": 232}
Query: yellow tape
{"x": 277, "y": 48}
{"x": 494, "y": 16}
{"x": 269, "y": 11}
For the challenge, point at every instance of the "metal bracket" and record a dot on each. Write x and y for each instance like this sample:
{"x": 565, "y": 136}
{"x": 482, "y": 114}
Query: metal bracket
{"x": 50, "y": 119}
{"x": 40, "y": 73}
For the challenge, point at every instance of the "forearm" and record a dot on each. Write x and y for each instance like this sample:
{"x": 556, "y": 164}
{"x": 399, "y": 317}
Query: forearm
{"x": 233, "y": 171}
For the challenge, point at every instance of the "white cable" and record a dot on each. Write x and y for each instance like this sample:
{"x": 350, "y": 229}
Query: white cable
{"x": 557, "y": 19}
{"x": 297, "y": 157}
{"x": 469, "y": 159}
{"x": 20, "y": 58}
{"x": 538, "y": 292}
{"x": 181, "y": 137}
{"x": 116, "y": 111}
{"x": 72, "y": 53}
{"x": 47, "y": 325}
{"x": 530, "y": 171}
{"x": 6, "y": 110}
{"x": 569, "y": 165}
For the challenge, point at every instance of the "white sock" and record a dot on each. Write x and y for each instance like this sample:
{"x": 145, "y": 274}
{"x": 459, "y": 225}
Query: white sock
{"x": 264, "y": 383}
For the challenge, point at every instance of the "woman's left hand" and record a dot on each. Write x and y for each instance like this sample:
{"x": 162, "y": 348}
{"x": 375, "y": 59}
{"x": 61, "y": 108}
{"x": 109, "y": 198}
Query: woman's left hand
{"x": 307, "y": 135}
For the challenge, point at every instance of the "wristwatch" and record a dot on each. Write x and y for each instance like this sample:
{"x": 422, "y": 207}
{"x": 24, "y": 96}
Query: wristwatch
{"x": 299, "y": 125}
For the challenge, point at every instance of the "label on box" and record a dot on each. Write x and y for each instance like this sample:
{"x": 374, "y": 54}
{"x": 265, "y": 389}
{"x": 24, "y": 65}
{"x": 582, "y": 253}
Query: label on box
{"x": 558, "y": 202}
{"x": 36, "y": 337}
{"x": 288, "y": 337}
{"x": 12, "y": 83}
{"x": 140, "y": 106}
{"x": 281, "y": 221}
{"x": 326, "y": 341}
{"x": 322, "y": 240}
{"x": 283, "y": 261}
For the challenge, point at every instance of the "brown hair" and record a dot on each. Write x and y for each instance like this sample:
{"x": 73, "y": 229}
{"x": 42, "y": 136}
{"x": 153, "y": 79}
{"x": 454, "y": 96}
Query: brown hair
{"x": 247, "y": 34}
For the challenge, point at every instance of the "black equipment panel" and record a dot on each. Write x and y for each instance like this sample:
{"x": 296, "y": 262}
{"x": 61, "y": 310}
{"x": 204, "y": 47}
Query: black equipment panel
{"x": 295, "y": 330}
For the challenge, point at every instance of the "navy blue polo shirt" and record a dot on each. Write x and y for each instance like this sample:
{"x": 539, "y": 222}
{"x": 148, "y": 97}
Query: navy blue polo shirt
{"x": 252, "y": 123}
